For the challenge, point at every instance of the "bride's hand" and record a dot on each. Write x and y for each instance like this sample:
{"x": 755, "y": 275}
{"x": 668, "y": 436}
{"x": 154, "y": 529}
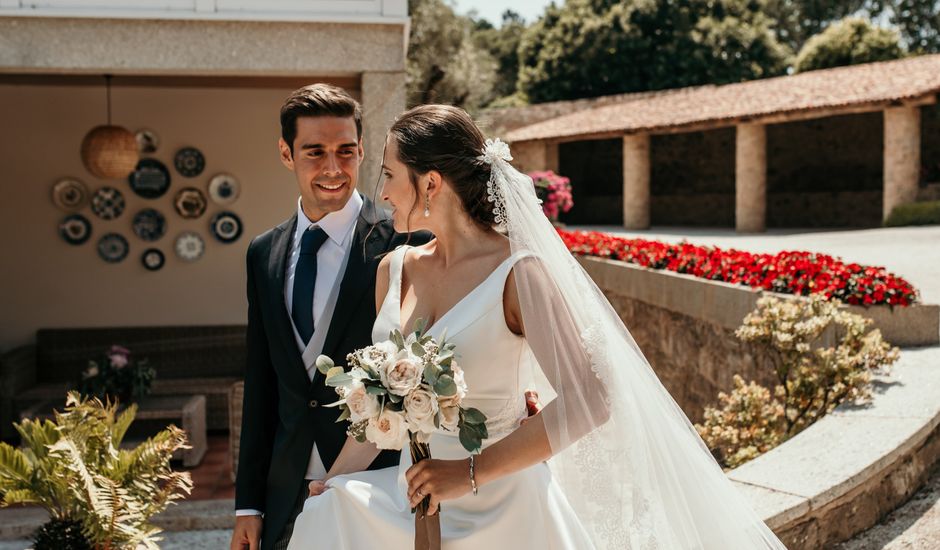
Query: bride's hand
{"x": 316, "y": 487}
{"x": 441, "y": 479}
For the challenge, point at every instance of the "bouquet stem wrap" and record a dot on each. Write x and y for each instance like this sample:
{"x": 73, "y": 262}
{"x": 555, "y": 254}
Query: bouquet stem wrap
{"x": 427, "y": 528}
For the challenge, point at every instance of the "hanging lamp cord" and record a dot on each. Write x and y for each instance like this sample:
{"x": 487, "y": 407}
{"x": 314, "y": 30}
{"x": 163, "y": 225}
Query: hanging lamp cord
{"x": 107, "y": 79}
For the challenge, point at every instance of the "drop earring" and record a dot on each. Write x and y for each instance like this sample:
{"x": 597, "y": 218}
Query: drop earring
{"x": 427, "y": 206}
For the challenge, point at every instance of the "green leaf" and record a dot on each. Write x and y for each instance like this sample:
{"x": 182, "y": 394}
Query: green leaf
{"x": 334, "y": 371}
{"x": 344, "y": 415}
{"x": 418, "y": 349}
{"x": 470, "y": 441}
{"x": 473, "y": 416}
{"x": 376, "y": 390}
{"x": 339, "y": 380}
{"x": 399, "y": 340}
{"x": 445, "y": 386}
{"x": 419, "y": 326}
{"x": 430, "y": 374}
{"x": 324, "y": 364}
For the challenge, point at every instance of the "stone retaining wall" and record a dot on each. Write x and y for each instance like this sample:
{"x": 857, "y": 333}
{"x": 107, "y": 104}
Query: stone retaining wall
{"x": 685, "y": 326}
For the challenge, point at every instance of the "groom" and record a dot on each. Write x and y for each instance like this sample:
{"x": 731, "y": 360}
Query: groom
{"x": 311, "y": 290}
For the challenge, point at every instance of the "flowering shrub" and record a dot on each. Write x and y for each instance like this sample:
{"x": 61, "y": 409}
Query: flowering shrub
{"x": 812, "y": 380}
{"x": 554, "y": 191}
{"x": 788, "y": 272}
{"x": 117, "y": 375}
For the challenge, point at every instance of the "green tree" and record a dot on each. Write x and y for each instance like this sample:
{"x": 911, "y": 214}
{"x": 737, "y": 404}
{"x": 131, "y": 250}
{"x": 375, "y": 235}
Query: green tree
{"x": 798, "y": 20}
{"x": 919, "y": 22}
{"x": 589, "y": 48}
{"x": 503, "y": 44}
{"x": 445, "y": 65}
{"x": 849, "y": 42}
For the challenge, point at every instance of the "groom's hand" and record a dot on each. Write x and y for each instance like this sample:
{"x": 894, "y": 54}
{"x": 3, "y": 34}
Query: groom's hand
{"x": 532, "y": 405}
{"x": 247, "y": 534}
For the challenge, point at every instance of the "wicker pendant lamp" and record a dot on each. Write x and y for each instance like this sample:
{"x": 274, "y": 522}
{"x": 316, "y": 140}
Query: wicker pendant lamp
{"x": 108, "y": 151}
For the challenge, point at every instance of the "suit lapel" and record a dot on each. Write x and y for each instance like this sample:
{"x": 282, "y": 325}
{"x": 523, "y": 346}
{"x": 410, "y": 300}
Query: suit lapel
{"x": 369, "y": 240}
{"x": 277, "y": 271}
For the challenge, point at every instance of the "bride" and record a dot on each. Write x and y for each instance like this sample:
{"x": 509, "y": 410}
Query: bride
{"x": 610, "y": 462}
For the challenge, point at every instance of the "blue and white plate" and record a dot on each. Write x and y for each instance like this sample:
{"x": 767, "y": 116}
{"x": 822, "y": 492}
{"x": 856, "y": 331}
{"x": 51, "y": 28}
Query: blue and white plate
{"x": 152, "y": 259}
{"x": 149, "y": 224}
{"x": 190, "y": 246}
{"x": 150, "y": 179}
{"x": 226, "y": 227}
{"x": 113, "y": 248}
{"x": 75, "y": 229}
{"x": 224, "y": 189}
{"x": 189, "y": 162}
{"x": 107, "y": 203}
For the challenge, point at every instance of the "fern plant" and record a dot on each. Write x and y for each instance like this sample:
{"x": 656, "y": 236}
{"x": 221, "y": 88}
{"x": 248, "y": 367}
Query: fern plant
{"x": 74, "y": 468}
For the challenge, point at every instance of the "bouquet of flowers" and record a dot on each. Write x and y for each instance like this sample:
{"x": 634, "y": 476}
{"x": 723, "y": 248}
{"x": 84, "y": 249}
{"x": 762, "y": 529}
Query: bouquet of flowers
{"x": 554, "y": 191}
{"x": 117, "y": 375}
{"x": 403, "y": 389}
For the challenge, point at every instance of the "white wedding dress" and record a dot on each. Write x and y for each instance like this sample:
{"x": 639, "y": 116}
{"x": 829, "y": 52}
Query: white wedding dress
{"x": 527, "y": 509}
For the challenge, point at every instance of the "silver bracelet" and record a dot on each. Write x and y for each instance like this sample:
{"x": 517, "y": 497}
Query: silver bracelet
{"x": 473, "y": 481}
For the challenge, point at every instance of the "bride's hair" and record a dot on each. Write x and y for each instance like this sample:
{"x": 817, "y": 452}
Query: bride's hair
{"x": 444, "y": 138}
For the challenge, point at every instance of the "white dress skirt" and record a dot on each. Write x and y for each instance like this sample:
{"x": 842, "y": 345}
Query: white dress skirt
{"x": 527, "y": 509}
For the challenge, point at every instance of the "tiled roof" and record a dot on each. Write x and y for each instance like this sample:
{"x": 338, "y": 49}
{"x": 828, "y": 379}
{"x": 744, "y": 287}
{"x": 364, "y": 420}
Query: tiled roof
{"x": 846, "y": 88}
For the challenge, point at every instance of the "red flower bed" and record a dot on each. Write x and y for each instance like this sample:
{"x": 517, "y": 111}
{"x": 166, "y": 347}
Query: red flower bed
{"x": 789, "y": 272}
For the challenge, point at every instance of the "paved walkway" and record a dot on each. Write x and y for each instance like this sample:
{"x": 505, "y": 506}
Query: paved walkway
{"x": 914, "y": 526}
{"x": 911, "y": 252}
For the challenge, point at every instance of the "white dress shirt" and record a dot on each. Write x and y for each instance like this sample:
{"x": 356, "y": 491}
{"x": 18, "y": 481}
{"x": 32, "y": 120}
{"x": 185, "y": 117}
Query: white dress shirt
{"x": 332, "y": 257}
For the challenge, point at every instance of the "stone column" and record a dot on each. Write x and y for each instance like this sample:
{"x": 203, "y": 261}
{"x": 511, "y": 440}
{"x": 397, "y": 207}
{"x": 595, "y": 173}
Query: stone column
{"x": 901, "y": 157}
{"x": 636, "y": 181}
{"x": 750, "y": 184}
{"x": 383, "y": 98}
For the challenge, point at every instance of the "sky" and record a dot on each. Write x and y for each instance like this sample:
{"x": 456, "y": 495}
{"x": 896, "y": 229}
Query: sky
{"x": 492, "y": 10}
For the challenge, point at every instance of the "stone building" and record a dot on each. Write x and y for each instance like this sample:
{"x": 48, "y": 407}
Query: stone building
{"x": 832, "y": 148}
{"x": 210, "y": 74}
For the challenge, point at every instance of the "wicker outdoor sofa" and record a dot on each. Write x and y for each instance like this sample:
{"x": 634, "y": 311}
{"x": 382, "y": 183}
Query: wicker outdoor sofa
{"x": 189, "y": 360}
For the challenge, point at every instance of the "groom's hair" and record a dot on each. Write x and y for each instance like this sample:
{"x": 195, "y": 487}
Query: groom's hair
{"x": 317, "y": 100}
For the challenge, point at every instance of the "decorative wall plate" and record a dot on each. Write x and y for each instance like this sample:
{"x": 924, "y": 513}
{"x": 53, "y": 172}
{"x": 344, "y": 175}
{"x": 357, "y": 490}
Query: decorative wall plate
{"x": 147, "y": 141}
{"x": 190, "y": 203}
{"x": 149, "y": 224}
{"x": 224, "y": 188}
{"x": 69, "y": 194}
{"x": 190, "y": 246}
{"x": 75, "y": 229}
{"x": 107, "y": 203}
{"x": 226, "y": 227}
{"x": 112, "y": 248}
{"x": 152, "y": 259}
{"x": 189, "y": 162}
{"x": 150, "y": 179}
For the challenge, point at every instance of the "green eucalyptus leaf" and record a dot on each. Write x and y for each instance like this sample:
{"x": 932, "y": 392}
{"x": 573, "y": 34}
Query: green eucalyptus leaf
{"x": 339, "y": 380}
{"x": 470, "y": 441}
{"x": 445, "y": 386}
{"x": 324, "y": 364}
{"x": 376, "y": 390}
{"x": 473, "y": 416}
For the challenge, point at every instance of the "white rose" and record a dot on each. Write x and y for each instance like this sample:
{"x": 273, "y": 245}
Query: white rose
{"x": 362, "y": 405}
{"x": 450, "y": 417}
{"x": 420, "y": 410}
{"x": 460, "y": 381}
{"x": 403, "y": 374}
{"x": 389, "y": 430}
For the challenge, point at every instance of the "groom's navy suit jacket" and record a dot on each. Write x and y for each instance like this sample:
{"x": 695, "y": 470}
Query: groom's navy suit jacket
{"x": 284, "y": 411}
